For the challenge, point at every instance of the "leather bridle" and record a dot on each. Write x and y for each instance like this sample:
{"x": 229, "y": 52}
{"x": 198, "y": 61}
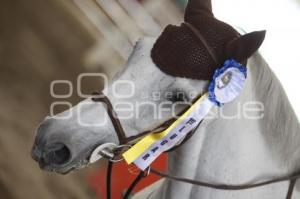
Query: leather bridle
{"x": 126, "y": 141}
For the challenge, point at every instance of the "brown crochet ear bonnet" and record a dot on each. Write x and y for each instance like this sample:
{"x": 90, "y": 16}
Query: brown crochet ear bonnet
{"x": 178, "y": 51}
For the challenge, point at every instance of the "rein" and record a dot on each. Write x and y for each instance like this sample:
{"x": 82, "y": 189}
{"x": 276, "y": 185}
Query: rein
{"x": 124, "y": 142}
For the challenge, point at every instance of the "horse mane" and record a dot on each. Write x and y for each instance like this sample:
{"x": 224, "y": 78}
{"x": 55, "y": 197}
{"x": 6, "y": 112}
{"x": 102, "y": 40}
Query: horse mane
{"x": 280, "y": 125}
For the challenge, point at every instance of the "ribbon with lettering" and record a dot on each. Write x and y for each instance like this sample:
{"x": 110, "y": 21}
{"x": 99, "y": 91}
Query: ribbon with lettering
{"x": 227, "y": 84}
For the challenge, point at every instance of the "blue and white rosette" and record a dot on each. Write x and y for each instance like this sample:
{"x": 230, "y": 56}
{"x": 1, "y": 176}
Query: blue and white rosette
{"x": 228, "y": 82}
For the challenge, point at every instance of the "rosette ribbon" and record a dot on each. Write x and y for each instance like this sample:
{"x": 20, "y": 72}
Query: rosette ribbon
{"x": 227, "y": 84}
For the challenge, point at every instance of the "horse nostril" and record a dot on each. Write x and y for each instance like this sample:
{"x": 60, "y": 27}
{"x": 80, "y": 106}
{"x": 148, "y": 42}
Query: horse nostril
{"x": 57, "y": 154}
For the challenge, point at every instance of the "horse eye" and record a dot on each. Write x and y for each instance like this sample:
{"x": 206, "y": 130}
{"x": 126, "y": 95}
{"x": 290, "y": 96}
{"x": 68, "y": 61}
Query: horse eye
{"x": 176, "y": 97}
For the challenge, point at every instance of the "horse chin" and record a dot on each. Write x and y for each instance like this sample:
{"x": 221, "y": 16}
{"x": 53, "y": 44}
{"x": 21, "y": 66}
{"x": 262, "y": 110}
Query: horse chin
{"x": 66, "y": 169}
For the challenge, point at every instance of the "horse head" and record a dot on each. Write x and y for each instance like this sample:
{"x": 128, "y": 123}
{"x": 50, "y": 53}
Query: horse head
{"x": 160, "y": 77}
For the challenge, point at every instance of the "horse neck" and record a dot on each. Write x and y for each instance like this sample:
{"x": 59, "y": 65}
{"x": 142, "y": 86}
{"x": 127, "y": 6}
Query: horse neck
{"x": 279, "y": 126}
{"x": 228, "y": 146}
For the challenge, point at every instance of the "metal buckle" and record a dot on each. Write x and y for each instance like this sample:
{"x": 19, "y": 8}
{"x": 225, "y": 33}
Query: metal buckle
{"x": 117, "y": 153}
{"x": 102, "y": 151}
{"x": 109, "y": 151}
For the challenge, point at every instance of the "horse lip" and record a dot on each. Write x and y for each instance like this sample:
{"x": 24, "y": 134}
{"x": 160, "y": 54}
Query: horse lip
{"x": 70, "y": 168}
{"x": 63, "y": 170}
{"x": 36, "y": 154}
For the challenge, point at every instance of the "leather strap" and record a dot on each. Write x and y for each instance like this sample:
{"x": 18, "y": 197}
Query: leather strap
{"x": 108, "y": 179}
{"x": 209, "y": 49}
{"x": 291, "y": 189}
{"x": 133, "y": 184}
{"x": 292, "y": 178}
{"x": 100, "y": 97}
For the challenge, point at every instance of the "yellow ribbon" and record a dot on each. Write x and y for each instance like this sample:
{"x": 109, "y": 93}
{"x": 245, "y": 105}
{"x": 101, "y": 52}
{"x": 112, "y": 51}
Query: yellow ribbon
{"x": 138, "y": 149}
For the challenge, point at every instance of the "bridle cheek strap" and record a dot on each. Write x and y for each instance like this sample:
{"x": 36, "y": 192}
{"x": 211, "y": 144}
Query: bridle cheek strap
{"x": 123, "y": 139}
{"x": 100, "y": 97}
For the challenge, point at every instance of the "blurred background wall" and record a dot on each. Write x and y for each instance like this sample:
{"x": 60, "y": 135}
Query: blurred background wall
{"x": 42, "y": 41}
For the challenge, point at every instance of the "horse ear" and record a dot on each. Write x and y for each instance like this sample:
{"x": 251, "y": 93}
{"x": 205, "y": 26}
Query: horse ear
{"x": 245, "y": 46}
{"x": 196, "y": 8}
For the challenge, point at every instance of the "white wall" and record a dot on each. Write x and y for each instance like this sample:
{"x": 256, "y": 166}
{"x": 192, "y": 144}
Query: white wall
{"x": 281, "y": 19}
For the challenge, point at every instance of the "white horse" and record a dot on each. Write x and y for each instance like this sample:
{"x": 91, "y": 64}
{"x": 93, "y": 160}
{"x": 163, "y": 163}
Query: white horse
{"x": 247, "y": 142}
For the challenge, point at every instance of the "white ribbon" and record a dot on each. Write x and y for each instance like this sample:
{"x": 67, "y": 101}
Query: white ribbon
{"x": 176, "y": 135}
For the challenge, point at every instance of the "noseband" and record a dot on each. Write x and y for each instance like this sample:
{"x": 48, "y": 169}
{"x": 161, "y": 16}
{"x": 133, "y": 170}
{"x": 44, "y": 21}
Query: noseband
{"x": 124, "y": 142}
